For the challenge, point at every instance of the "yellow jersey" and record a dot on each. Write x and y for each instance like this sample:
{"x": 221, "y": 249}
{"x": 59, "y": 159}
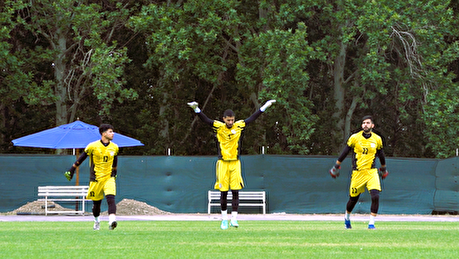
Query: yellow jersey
{"x": 101, "y": 159}
{"x": 228, "y": 140}
{"x": 365, "y": 150}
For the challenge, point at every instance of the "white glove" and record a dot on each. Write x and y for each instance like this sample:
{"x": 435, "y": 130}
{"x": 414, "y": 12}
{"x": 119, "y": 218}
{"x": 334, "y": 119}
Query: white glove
{"x": 267, "y": 104}
{"x": 194, "y": 106}
{"x": 334, "y": 171}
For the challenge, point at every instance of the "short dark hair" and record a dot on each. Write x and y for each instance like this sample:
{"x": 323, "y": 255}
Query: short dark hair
{"x": 366, "y": 117}
{"x": 228, "y": 113}
{"x": 105, "y": 127}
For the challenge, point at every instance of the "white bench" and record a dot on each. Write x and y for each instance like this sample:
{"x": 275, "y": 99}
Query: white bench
{"x": 66, "y": 194}
{"x": 246, "y": 198}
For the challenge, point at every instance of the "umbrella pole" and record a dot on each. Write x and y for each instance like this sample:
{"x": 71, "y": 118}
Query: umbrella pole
{"x": 77, "y": 179}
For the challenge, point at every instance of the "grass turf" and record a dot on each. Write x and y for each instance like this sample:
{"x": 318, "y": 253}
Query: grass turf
{"x": 253, "y": 239}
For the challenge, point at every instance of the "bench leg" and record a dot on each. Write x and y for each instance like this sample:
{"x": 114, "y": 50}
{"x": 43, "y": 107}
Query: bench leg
{"x": 46, "y": 205}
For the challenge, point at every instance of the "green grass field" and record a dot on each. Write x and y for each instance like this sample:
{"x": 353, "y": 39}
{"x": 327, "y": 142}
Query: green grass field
{"x": 253, "y": 239}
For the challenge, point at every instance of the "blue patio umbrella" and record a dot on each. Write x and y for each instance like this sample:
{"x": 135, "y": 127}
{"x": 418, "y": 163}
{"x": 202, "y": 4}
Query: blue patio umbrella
{"x": 75, "y": 135}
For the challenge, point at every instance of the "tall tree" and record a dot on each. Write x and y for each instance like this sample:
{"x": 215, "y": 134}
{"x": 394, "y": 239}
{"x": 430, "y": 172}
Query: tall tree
{"x": 237, "y": 52}
{"x": 327, "y": 62}
{"x": 381, "y": 51}
{"x": 76, "y": 39}
{"x": 20, "y": 96}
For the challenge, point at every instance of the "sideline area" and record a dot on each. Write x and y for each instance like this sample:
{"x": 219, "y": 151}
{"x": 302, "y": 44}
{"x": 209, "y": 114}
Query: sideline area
{"x": 241, "y": 217}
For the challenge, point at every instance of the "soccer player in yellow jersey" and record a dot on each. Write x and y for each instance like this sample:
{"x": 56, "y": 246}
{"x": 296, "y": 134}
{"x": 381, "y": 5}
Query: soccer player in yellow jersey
{"x": 228, "y": 169}
{"x": 365, "y": 146}
{"x": 103, "y": 155}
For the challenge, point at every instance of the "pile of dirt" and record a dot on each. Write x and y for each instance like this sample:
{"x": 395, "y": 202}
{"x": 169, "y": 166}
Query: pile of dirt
{"x": 36, "y": 208}
{"x": 126, "y": 207}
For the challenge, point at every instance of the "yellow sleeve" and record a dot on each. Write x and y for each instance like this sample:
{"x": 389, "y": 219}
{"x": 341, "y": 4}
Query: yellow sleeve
{"x": 117, "y": 149}
{"x": 351, "y": 141}
{"x": 240, "y": 123}
{"x": 89, "y": 148}
{"x": 217, "y": 124}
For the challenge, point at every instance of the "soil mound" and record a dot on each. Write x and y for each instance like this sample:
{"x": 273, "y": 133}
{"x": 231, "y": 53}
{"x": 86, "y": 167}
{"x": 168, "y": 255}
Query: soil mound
{"x": 125, "y": 207}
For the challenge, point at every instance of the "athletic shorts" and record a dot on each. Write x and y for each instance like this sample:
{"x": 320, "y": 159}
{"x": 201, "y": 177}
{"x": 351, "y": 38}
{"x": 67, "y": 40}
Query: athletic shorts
{"x": 228, "y": 175}
{"x": 364, "y": 178}
{"x": 98, "y": 188}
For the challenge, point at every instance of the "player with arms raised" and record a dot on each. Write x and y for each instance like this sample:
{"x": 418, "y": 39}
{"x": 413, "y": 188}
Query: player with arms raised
{"x": 366, "y": 146}
{"x": 228, "y": 169}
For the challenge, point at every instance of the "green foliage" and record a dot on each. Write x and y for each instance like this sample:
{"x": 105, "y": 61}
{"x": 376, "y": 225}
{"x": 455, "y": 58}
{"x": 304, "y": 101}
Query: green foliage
{"x": 76, "y": 37}
{"x": 220, "y": 41}
{"x": 20, "y": 97}
{"x": 15, "y": 82}
{"x": 442, "y": 122}
{"x": 136, "y": 64}
{"x": 395, "y": 53}
{"x": 285, "y": 55}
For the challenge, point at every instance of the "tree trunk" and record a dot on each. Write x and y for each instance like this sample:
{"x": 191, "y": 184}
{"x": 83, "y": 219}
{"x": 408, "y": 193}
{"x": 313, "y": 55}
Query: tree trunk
{"x": 59, "y": 71}
{"x": 350, "y": 112}
{"x": 338, "y": 89}
{"x": 164, "y": 132}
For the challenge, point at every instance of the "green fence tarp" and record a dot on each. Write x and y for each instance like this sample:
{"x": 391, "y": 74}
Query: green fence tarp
{"x": 294, "y": 184}
{"x": 446, "y": 186}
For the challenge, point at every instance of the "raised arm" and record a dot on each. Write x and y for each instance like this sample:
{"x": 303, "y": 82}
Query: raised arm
{"x": 201, "y": 115}
{"x": 256, "y": 114}
{"x": 253, "y": 117}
